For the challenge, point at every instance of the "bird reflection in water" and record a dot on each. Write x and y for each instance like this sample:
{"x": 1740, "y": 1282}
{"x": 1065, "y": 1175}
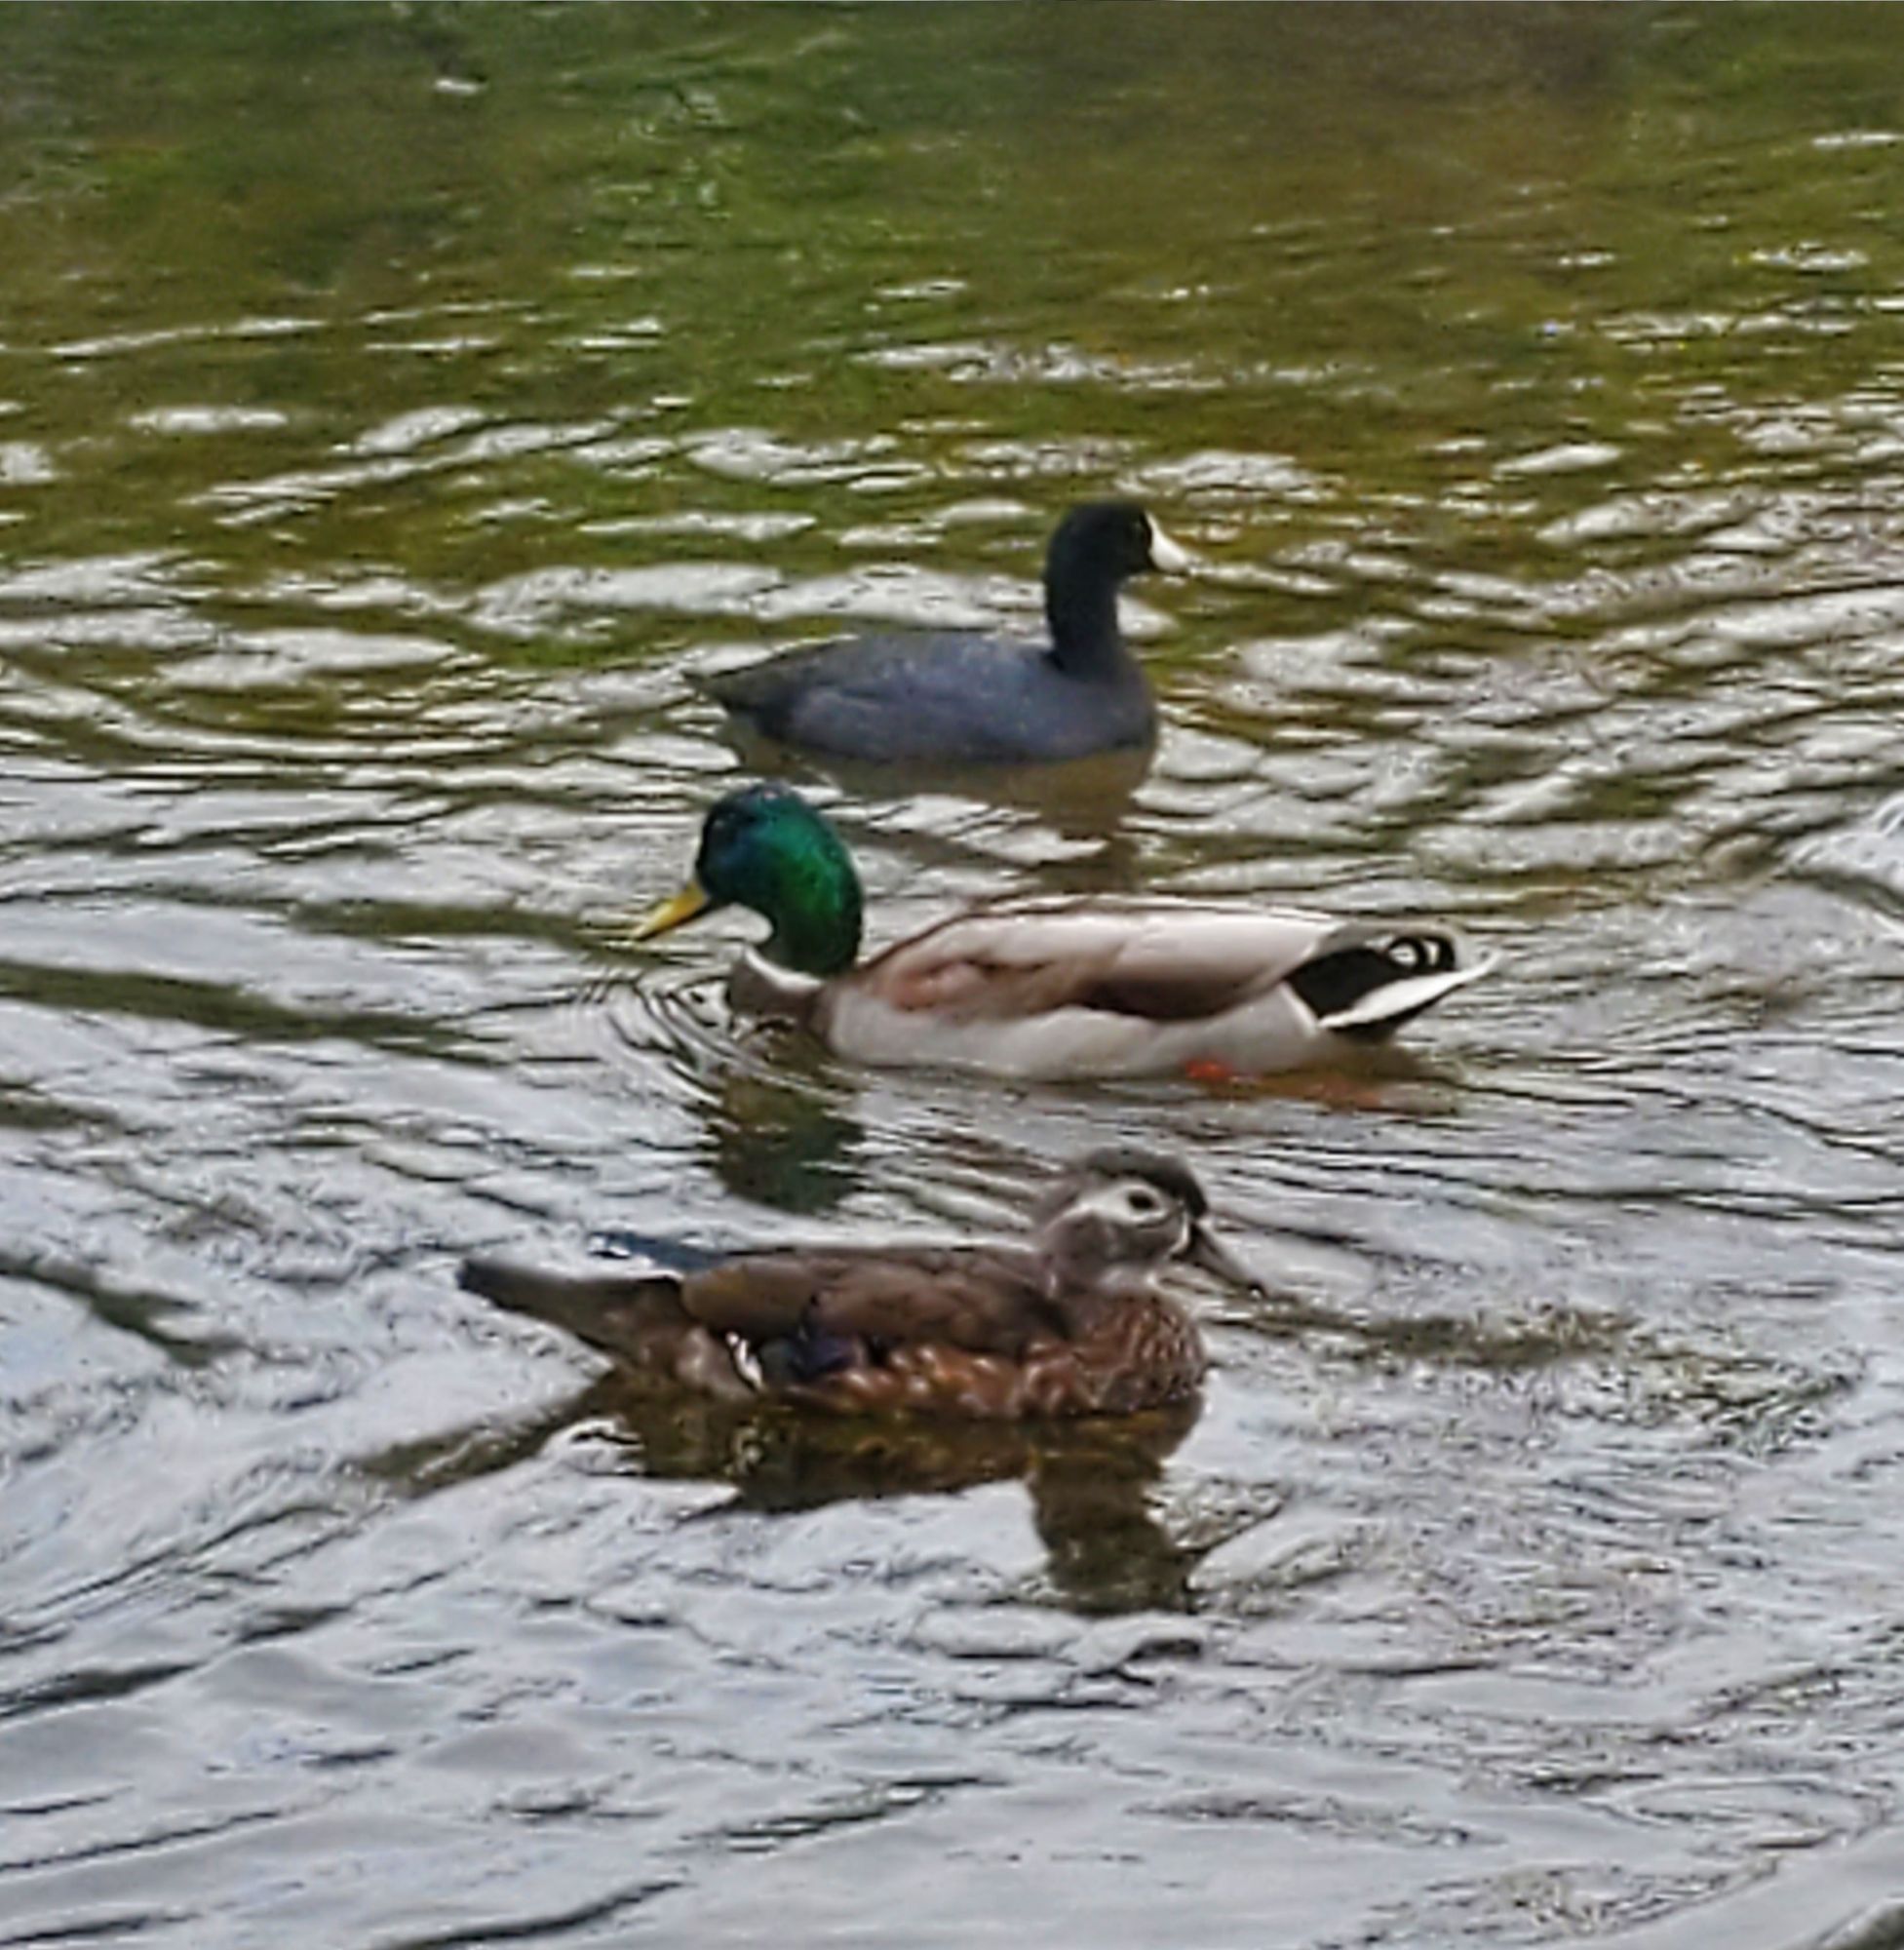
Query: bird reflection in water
{"x": 1093, "y": 1483}
{"x": 779, "y": 1143}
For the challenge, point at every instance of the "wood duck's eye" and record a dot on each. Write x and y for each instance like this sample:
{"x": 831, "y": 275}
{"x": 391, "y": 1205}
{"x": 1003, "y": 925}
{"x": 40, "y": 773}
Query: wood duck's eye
{"x": 1144, "y": 1204}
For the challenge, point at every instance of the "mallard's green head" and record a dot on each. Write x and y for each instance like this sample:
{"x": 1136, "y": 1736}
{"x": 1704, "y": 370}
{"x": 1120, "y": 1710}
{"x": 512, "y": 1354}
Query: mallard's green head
{"x": 766, "y": 848}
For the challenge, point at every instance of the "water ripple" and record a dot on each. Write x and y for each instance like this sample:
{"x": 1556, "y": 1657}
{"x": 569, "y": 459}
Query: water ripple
{"x": 1528, "y": 1567}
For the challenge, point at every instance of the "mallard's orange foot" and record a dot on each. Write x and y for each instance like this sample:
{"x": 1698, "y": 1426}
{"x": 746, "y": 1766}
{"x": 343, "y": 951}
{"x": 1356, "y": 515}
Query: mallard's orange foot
{"x": 1207, "y": 1069}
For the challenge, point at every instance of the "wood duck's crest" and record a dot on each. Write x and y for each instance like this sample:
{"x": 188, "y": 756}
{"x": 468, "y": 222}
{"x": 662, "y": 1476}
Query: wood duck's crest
{"x": 1163, "y": 1171}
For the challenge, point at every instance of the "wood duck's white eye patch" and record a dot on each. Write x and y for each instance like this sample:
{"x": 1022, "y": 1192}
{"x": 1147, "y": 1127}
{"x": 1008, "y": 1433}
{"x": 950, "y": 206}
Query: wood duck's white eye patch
{"x": 1133, "y": 1202}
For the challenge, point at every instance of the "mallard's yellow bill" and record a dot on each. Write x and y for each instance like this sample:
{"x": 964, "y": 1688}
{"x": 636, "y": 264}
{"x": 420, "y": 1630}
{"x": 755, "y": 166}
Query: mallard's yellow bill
{"x": 693, "y": 899}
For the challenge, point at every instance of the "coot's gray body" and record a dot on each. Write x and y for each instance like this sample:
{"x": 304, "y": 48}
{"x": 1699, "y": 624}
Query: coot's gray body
{"x": 963, "y": 697}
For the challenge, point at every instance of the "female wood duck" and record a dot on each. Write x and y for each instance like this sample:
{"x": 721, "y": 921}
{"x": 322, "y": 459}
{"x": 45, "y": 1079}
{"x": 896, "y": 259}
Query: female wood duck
{"x": 1069, "y": 1323}
{"x": 964, "y": 697}
{"x": 1051, "y": 987}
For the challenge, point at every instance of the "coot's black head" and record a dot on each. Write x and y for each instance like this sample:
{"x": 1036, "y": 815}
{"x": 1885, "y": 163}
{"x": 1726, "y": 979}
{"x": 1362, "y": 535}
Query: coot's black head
{"x": 1094, "y": 549}
{"x": 1111, "y": 540}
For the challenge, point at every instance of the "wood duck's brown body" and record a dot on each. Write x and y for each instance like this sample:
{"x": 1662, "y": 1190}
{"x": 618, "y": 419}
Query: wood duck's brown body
{"x": 1069, "y": 1324}
{"x": 1146, "y": 1354}
{"x": 963, "y": 1332}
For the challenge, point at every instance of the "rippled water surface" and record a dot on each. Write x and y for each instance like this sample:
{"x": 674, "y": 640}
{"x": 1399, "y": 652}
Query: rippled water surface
{"x": 399, "y": 409}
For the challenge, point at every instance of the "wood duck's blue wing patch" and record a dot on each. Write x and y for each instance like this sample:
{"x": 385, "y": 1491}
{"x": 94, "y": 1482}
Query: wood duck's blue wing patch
{"x": 808, "y": 1354}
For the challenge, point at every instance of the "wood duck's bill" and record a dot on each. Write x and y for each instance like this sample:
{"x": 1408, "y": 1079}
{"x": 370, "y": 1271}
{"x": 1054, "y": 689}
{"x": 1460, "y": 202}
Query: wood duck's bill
{"x": 1208, "y": 1250}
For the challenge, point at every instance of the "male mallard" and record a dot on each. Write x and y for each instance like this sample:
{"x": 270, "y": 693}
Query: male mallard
{"x": 963, "y": 697}
{"x": 1069, "y": 1323}
{"x": 1051, "y": 987}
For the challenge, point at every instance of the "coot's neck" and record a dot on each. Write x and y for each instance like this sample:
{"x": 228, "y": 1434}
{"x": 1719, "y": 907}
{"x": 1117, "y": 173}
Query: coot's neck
{"x": 1080, "y": 605}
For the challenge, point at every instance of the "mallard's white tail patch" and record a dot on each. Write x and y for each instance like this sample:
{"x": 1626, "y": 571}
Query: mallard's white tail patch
{"x": 1385, "y": 1008}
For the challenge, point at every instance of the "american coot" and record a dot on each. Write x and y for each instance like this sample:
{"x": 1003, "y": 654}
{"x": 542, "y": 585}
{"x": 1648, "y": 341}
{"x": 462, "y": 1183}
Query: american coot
{"x": 1069, "y": 1323}
{"x": 1052, "y": 988}
{"x": 961, "y": 697}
